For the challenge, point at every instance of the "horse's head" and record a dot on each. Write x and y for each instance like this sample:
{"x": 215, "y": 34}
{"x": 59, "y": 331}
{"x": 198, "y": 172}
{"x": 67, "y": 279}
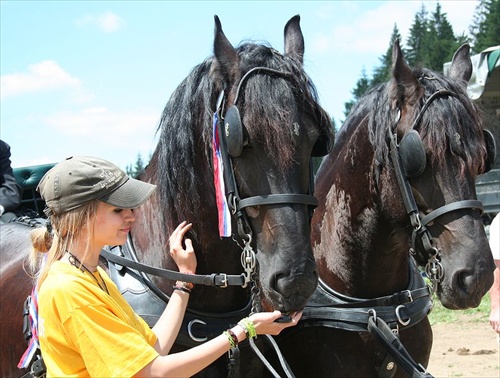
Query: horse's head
{"x": 436, "y": 146}
{"x": 271, "y": 126}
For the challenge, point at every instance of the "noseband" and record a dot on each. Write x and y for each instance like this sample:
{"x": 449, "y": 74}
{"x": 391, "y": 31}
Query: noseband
{"x": 429, "y": 255}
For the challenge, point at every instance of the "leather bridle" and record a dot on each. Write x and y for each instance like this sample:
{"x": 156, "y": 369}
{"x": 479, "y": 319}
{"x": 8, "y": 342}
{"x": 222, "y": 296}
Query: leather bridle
{"x": 235, "y": 202}
{"x": 429, "y": 254}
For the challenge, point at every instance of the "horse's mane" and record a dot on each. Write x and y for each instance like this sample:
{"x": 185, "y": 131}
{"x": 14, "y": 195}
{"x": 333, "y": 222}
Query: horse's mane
{"x": 451, "y": 127}
{"x": 184, "y": 152}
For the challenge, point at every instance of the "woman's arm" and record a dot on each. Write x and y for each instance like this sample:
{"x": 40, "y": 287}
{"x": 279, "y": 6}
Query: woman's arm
{"x": 495, "y": 300}
{"x": 169, "y": 324}
{"x": 191, "y": 361}
{"x": 167, "y": 327}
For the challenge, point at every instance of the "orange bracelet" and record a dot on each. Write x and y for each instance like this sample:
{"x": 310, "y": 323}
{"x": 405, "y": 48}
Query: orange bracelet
{"x": 187, "y": 285}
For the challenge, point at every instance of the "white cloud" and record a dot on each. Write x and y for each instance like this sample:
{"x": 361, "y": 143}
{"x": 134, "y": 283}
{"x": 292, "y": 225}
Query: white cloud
{"x": 101, "y": 124}
{"x": 107, "y": 22}
{"x": 43, "y": 76}
{"x": 354, "y": 31}
{"x": 114, "y": 135}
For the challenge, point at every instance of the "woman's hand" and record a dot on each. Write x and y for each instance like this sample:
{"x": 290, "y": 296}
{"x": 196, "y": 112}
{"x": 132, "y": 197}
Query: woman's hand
{"x": 183, "y": 257}
{"x": 265, "y": 322}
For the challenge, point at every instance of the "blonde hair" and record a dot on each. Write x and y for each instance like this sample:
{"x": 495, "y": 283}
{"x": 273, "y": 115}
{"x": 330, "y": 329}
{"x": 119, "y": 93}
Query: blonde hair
{"x": 50, "y": 243}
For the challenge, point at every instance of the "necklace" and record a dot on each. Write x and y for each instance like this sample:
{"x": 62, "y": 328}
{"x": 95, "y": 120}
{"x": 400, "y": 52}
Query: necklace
{"x": 73, "y": 260}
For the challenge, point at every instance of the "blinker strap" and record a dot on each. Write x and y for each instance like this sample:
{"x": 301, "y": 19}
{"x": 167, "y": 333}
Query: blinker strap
{"x": 404, "y": 185}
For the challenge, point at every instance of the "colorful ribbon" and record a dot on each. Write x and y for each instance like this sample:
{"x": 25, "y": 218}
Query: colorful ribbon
{"x": 223, "y": 212}
{"x": 34, "y": 344}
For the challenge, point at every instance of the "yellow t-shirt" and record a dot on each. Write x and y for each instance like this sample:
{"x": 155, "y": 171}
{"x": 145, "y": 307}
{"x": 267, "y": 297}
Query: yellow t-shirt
{"x": 84, "y": 331}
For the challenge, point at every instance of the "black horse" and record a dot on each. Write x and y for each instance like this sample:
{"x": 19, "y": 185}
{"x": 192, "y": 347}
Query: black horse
{"x": 273, "y": 124}
{"x": 397, "y": 187}
{"x": 270, "y": 123}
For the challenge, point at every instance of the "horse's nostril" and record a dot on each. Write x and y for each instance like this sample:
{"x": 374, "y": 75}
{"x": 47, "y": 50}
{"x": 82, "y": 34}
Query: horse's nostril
{"x": 280, "y": 283}
{"x": 466, "y": 281}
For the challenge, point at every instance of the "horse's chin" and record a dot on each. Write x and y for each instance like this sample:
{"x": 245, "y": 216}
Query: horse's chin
{"x": 453, "y": 300}
{"x": 285, "y": 308}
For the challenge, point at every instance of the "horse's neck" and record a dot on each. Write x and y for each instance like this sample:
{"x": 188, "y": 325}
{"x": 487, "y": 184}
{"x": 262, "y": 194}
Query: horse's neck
{"x": 360, "y": 253}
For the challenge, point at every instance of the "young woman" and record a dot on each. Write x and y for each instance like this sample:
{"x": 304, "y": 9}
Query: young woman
{"x": 85, "y": 326}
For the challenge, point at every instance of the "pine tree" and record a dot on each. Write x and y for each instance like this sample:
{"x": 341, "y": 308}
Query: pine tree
{"x": 485, "y": 28}
{"x": 441, "y": 42}
{"x": 137, "y": 169}
{"x": 361, "y": 86}
{"x": 417, "y": 38}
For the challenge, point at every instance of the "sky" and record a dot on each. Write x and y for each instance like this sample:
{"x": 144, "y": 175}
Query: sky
{"x": 92, "y": 77}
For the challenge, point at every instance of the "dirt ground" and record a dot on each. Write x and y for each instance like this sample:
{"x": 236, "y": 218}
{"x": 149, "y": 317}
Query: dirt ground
{"x": 465, "y": 348}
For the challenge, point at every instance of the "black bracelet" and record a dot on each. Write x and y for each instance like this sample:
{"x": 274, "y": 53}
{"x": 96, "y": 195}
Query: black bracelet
{"x": 181, "y": 288}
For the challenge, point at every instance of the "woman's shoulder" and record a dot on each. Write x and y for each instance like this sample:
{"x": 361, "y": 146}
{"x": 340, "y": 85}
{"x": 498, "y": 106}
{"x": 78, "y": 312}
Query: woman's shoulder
{"x": 64, "y": 280}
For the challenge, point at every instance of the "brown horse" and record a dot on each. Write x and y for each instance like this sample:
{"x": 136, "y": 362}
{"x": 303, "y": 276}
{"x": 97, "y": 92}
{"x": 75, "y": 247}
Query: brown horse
{"x": 272, "y": 125}
{"x": 400, "y": 179}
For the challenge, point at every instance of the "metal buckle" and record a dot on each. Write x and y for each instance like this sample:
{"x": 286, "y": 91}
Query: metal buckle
{"x": 410, "y": 297}
{"x": 223, "y": 280}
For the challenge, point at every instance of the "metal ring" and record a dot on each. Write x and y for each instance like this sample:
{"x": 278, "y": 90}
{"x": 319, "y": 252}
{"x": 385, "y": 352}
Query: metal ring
{"x": 398, "y": 315}
{"x": 373, "y": 313}
{"x": 190, "y": 332}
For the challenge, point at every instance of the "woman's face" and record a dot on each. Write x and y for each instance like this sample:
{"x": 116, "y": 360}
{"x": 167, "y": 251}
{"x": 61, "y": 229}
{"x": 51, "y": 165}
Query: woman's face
{"x": 112, "y": 225}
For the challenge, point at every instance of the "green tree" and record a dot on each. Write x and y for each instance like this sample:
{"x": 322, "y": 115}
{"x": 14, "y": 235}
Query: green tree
{"x": 417, "y": 38}
{"x": 441, "y": 42}
{"x": 362, "y": 85}
{"x": 136, "y": 169}
{"x": 485, "y": 28}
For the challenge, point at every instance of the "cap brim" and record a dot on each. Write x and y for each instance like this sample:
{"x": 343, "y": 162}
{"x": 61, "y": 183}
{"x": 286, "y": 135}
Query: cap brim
{"x": 130, "y": 195}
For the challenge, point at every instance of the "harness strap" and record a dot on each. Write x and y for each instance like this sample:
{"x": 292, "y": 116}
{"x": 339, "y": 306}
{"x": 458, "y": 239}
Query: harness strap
{"x": 214, "y": 279}
{"x": 396, "y": 299}
{"x": 383, "y": 333}
{"x": 406, "y": 308}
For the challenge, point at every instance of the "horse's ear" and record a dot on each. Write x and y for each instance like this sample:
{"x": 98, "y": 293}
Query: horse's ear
{"x": 491, "y": 150}
{"x": 404, "y": 83}
{"x": 225, "y": 53}
{"x": 461, "y": 65}
{"x": 294, "y": 40}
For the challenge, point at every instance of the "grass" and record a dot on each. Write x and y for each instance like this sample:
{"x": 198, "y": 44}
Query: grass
{"x": 440, "y": 314}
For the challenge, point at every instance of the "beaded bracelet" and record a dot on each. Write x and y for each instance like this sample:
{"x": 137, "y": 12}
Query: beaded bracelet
{"x": 182, "y": 288}
{"x": 248, "y": 327}
{"x": 187, "y": 285}
{"x": 233, "y": 340}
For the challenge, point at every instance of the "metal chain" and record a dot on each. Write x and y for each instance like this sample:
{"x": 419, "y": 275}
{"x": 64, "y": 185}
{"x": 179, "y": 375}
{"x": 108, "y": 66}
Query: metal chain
{"x": 255, "y": 294}
{"x": 434, "y": 270}
{"x": 248, "y": 261}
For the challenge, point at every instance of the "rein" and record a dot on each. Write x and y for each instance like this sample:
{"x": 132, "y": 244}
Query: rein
{"x": 197, "y": 326}
{"x": 430, "y": 255}
{"x": 219, "y": 279}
